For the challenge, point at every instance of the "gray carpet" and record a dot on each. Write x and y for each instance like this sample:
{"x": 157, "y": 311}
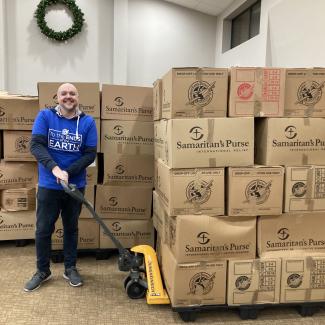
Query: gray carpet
{"x": 101, "y": 300}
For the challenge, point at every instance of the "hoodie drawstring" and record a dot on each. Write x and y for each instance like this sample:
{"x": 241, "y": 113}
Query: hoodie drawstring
{"x": 77, "y": 135}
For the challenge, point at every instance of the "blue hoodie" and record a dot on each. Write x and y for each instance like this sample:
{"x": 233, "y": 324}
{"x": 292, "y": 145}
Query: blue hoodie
{"x": 70, "y": 144}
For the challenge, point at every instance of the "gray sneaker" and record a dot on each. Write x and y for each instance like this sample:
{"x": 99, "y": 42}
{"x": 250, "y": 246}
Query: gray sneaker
{"x": 37, "y": 279}
{"x": 73, "y": 276}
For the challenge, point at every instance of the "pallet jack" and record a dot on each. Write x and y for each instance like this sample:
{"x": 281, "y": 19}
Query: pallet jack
{"x": 141, "y": 280}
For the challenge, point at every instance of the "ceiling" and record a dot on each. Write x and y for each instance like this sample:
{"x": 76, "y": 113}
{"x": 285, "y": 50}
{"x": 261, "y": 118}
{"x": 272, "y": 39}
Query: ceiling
{"x": 210, "y": 7}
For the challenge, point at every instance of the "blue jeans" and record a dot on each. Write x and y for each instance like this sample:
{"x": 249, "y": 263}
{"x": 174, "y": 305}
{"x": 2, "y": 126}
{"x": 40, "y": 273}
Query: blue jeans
{"x": 50, "y": 203}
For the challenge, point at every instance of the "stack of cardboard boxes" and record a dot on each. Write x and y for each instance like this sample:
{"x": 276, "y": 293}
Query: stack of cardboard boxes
{"x": 199, "y": 250}
{"x": 18, "y": 169}
{"x": 124, "y": 199}
{"x": 89, "y": 102}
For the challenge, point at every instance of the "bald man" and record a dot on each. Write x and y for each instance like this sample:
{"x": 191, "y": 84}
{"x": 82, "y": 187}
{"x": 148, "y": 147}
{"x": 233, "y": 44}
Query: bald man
{"x": 64, "y": 141}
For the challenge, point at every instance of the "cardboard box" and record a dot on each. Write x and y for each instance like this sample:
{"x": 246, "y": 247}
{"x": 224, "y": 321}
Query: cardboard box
{"x": 90, "y": 197}
{"x": 20, "y": 199}
{"x": 17, "y": 175}
{"x": 127, "y": 103}
{"x": 194, "y": 284}
{"x": 302, "y": 279}
{"x": 160, "y": 140}
{"x": 157, "y": 99}
{"x": 127, "y": 137}
{"x": 88, "y": 234}
{"x": 17, "y": 225}
{"x": 17, "y": 112}
{"x": 124, "y": 202}
{"x": 16, "y": 146}
{"x": 92, "y": 173}
{"x": 97, "y": 121}
{"x": 290, "y": 141}
{"x": 304, "y": 189}
{"x": 203, "y": 142}
{"x": 304, "y": 92}
{"x": 294, "y": 234}
{"x": 89, "y": 101}
{"x": 256, "y": 190}
{"x": 159, "y": 214}
{"x": 128, "y": 170}
{"x": 194, "y": 238}
{"x": 129, "y": 232}
{"x": 252, "y": 282}
{"x": 191, "y": 190}
{"x": 256, "y": 92}
{"x": 195, "y": 92}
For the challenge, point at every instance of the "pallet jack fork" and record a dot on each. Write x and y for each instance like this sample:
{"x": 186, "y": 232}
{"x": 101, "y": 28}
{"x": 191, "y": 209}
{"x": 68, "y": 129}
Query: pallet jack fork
{"x": 140, "y": 281}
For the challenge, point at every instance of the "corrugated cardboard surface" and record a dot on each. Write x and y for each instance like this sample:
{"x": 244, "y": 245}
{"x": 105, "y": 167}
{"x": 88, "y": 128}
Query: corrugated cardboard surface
{"x": 92, "y": 173}
{"x": 129, "y": 232}
{"x": 191, "y": 191}
{"x": 194, "y": 238}
{"x": 90, "y": 197}
{"x": 17, "y": 112}
{"x": 255, "y": 190}
{"x": 17, "y": 175}
{"x": 195, "y": 92}
{"x": 290, "y": 141}
{"x": 89, "y": 101}
{"x": 256, "y": 92}
{"x": 20, "y": 199}
{"x": 303, "y": 279}
{"x": 16, "y": 146}
{"x": 215, "y": 142}
{"x": 123, "y": 202}
{"x": 254, "y": 281}
{"x": 157, "y": 99}
{"x": 294, "y": 234}
{"x": 127, "y": 103}
{"x": 17, "y": 225}
{"x": 304, "y": 92}
{"x": 190, "y": 284}
{"x": 128, "y": 170}
{"x": 88, "y": 234}
{"x": 127, "y": 137}
{"x": 304, "y": 189}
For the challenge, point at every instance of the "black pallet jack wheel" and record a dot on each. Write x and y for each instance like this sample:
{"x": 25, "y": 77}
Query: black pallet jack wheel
{"x": 135, "y": 290}
{"x": 126, "y": 281}
{"x": 187, "y": 316}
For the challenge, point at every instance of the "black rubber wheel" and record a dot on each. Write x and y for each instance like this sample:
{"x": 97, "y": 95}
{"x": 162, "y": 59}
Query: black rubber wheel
{"x": 187, "y": 316}
{"x": 135, "y": 290}
{"x": 126, "y": 281}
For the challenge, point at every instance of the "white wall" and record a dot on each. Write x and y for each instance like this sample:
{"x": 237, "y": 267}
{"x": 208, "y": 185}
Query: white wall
{"x": 162, "y": 35}
{"x": 296, "y": 36}
{"x": 31, "y": 57}
{"x": 124, "y": 41}
{"x": 291, "y": 35}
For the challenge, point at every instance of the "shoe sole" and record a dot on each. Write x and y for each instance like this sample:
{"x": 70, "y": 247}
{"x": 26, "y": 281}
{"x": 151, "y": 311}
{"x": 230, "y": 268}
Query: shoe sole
{"x": 72, "y": 285}
{"x": 48, "y": 278}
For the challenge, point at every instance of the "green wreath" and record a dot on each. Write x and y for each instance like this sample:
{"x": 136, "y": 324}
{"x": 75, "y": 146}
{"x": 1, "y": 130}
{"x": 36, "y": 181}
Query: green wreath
{"x": 77, "y": 14}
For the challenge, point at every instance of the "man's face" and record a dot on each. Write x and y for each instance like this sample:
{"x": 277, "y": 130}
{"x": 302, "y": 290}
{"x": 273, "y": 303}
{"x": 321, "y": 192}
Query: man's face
{"x": 68, "y": 97}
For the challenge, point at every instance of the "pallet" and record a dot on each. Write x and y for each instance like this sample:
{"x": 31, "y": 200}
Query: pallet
{"x": 189, "y": 314}
{"x": 100, "y": 254}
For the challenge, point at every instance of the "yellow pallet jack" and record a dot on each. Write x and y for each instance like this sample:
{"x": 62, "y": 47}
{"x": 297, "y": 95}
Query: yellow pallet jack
{"x": 141, "y": 280}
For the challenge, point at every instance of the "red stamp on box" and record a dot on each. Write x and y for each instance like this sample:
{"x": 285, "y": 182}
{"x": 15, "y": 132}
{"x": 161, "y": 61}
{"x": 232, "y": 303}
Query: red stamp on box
{"x": 245, "y": 91}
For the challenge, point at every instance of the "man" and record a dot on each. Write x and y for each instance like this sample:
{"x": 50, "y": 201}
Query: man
{"x": 64, "y": 143}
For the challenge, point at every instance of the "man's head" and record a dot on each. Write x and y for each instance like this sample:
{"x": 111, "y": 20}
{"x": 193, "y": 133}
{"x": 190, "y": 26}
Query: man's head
{"x": 68, "y": 97}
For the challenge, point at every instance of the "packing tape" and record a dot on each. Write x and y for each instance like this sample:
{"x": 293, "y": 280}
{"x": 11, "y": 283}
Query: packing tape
{"x": 258, "y": 90}
{"x": 310, "y": 263}
{"x": 309, "y": 195}
{"x": 304, "y": 159}
{"x": 210, "y": 130}
{"x": 308, "y": 294}
{"x": 254, "y": 297}
{"x": 119, "y": 148}
{"x": 306, "y": 119}
{"x": 137, "y": 150}
{"x": 212, "y": 162}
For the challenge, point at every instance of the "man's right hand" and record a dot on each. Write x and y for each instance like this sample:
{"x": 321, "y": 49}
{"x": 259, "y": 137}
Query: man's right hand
{"x": 60, "y": 174}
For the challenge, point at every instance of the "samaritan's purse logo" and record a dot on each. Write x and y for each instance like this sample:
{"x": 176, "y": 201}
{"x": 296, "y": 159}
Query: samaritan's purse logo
{"x": 116, "y": 226}
{"x": 290, "y": 132}
{"x": 196, "y": 133}
{"x": 202, "y": 283}
{"x": 198, "y": 191}
{"x": 258, "y": 191}
{"x": 200, "y": 93}
{"x": 309, "y": 93}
